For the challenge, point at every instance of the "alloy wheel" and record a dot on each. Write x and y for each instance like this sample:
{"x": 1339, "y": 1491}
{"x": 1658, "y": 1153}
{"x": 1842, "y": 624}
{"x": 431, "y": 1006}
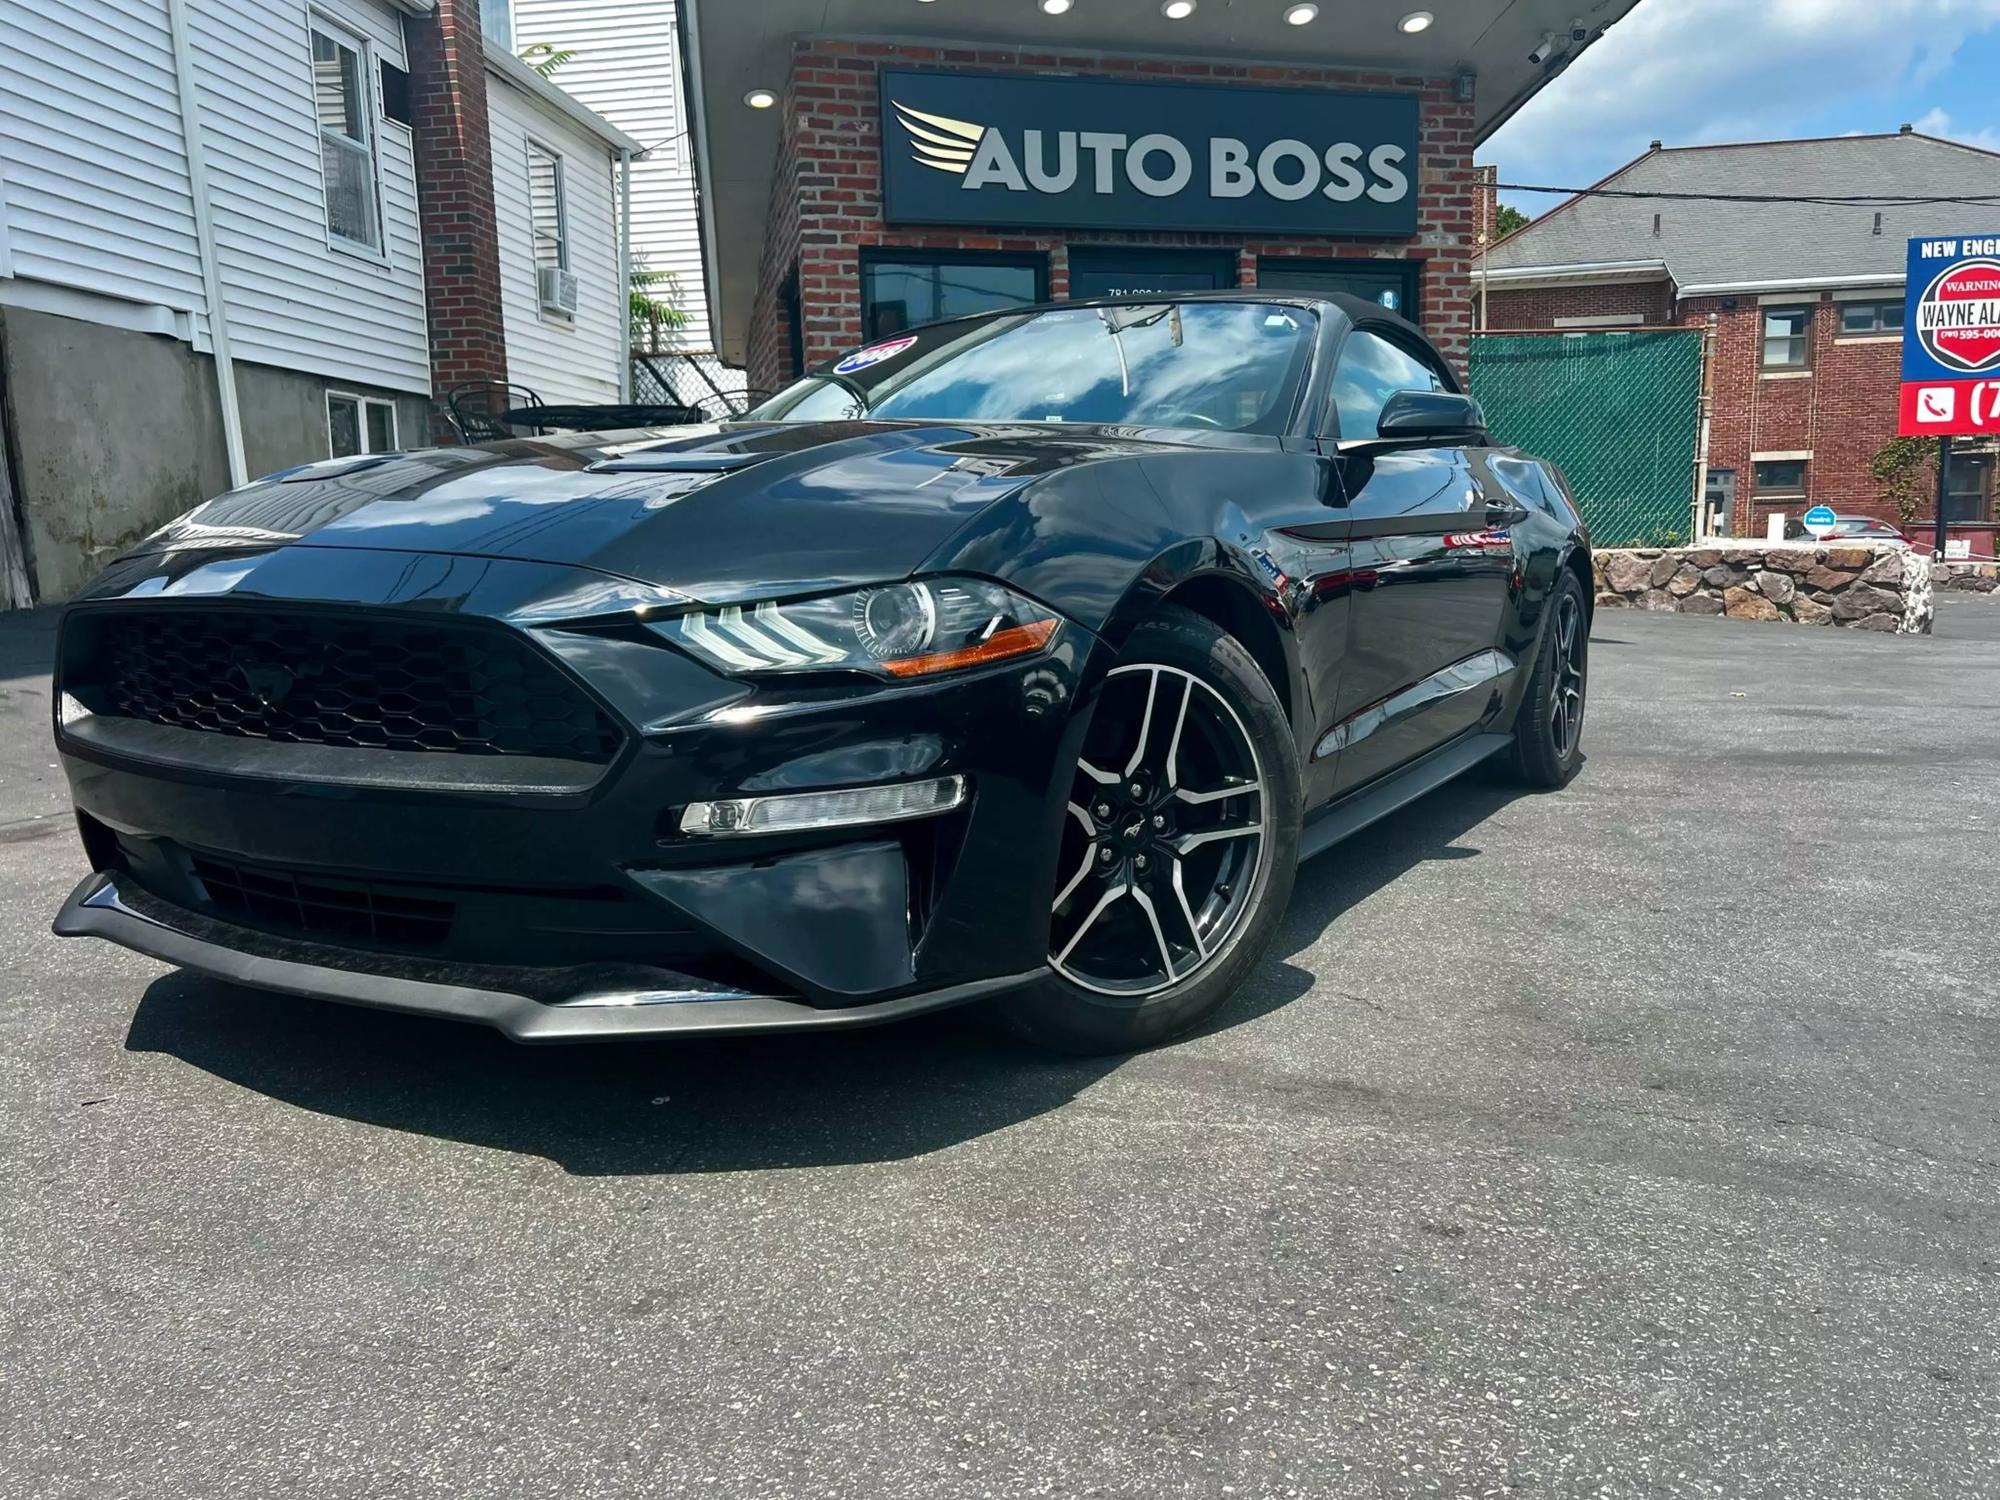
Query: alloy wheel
{"x": 1165, "y": 839}
{"x": 1566, "y": 710}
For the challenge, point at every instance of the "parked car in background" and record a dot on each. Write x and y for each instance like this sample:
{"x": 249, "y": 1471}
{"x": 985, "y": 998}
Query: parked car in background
{"x": 1021, "y": 656}
{"x": 1849, "y": 528}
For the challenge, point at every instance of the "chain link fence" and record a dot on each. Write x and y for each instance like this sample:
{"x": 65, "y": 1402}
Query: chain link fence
{"x": 1618, "y": 412}
{"x": 695, "y": 378}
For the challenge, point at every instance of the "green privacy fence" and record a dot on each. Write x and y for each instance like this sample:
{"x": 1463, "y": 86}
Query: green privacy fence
{"x": 1619, "y": 412}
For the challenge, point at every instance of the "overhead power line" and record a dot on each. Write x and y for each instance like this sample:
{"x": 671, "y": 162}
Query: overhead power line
{"x": 1832, "y": 200}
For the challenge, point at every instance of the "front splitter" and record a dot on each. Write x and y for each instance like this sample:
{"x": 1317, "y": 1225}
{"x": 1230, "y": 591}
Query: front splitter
{"x": 96, "y": 909}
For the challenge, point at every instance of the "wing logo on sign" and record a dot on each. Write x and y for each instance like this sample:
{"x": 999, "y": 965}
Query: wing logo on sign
{"x": 938, "y": 141}
{"x": 1958, "y": 320}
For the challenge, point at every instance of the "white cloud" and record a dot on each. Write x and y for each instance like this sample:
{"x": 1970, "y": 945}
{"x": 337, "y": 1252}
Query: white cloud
{"x": 1938, "y": 122}
{"x": 1691, "y": 72}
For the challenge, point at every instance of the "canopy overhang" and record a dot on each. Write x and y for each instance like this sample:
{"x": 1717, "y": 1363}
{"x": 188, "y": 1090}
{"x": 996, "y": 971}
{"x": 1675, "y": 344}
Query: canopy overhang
{"x": 730, "y": 48}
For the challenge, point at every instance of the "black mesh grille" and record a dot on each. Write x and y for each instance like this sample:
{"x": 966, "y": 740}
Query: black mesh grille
{"x": 326, "y": 680}
{"x": 313, "y": 906}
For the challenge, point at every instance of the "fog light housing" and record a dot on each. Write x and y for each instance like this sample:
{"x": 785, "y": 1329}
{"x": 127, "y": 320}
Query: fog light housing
{"x": 800, "y": 812}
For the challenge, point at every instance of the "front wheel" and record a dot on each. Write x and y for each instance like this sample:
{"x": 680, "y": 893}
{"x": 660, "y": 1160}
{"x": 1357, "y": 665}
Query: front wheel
{"x": 1179, "y": 845}
{"x": 1548, "y": 731}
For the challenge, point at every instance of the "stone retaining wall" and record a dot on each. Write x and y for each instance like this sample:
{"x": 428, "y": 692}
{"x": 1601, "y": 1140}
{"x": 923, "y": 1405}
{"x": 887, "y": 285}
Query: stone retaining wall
{"x": 1966, "y": 577}
{"x": 1866, "y": 586}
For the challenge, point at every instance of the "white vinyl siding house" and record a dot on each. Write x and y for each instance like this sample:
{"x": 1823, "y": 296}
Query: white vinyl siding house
{"x": 302, "y": 296}
{"x": 211, "y": 263}
{"x": 626, "y": 68}
{"x": 120, "y": 292}
{"x": 95, "y": 196}
{"x": 555, "y": 178}
{"x": 98, "y": 199}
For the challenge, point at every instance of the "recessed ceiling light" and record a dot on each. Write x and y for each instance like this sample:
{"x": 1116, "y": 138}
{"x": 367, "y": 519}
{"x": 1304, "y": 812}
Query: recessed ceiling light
{"x": 1177, "y": 10}
{"x": 1056, "y": 7}
{"x": 760, "y": 98}
{"x": 1300, "y": 15}
{"x": 1415, "y": 21}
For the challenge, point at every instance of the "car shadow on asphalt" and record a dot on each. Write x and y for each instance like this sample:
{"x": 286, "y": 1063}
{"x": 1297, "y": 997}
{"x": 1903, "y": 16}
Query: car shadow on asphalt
{"x": 726, "y": 1104}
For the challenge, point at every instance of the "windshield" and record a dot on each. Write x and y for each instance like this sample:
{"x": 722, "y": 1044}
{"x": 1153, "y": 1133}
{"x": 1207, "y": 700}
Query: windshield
{"x": 1232, "y": 366}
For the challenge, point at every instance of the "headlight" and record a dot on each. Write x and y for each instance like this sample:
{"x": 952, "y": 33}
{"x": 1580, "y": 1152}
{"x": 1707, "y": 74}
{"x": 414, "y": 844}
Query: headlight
{"x": 895, "y": 630}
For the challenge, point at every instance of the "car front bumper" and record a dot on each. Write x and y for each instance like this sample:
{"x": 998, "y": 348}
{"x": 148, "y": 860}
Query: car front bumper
{"x": 518, "y": 1003}
{"x": 582, "y": 911}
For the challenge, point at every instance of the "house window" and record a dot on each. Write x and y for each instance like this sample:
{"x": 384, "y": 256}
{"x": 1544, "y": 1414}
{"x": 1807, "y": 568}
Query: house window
{"x": 1968, "y": 494}
{"x": 1787, "y": 338}
{"x": 548, "y": 217}
{"x": 904, "y": 288}
{"x": 397, "y": 106}
{"x": 346, "y": 140}
{"x": 359, "y": 424}
{"x": 496, "y": 22}
{"x": 1784, "y": 476}
{"x": 1871, "y": 317}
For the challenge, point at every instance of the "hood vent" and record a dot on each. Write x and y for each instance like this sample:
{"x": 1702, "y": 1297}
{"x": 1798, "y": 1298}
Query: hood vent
{"x": 679, "y": 463}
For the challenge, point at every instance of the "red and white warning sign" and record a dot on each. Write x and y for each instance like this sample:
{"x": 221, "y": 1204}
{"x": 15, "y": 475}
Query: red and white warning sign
{"x": 1951, "y": 337}
{"x": 1958, "y": 317}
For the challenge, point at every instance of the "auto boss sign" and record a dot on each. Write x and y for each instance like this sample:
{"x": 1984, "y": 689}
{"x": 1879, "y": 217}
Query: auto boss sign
{"x": 963, "y": 148}
{"x": 1951, "y": 338}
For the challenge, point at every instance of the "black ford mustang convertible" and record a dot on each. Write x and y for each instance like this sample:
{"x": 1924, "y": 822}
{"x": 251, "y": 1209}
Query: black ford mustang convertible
{"x": 1022, "y": 656}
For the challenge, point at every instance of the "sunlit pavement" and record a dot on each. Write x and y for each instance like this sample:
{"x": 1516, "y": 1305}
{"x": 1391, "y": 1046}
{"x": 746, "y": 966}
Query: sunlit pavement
{"x": 1640, "y": 1139}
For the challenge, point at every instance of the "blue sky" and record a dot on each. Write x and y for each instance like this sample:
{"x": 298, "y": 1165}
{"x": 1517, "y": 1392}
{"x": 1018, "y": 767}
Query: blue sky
{"x": 1692, "y": 72}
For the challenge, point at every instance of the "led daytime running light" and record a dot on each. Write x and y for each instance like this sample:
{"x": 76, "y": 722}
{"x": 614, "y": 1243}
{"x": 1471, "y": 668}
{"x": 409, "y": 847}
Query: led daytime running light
{"x": 896, "y": 630}
{"x": 800, "y": 812}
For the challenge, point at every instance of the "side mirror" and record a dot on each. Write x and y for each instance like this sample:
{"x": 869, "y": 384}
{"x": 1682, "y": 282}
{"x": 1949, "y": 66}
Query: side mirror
{"x": 1431, "y": 416}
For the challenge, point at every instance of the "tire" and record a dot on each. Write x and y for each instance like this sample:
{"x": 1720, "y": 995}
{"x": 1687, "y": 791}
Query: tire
{"x": 1548, "y": 727}
{"x": 1213, "y": 860}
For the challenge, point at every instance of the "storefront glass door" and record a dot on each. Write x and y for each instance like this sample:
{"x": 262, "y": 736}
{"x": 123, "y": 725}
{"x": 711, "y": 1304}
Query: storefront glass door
{"x": 900, "y": 289}
{"x": 1112, "y": 271}
{"x": 1392, "y": 283}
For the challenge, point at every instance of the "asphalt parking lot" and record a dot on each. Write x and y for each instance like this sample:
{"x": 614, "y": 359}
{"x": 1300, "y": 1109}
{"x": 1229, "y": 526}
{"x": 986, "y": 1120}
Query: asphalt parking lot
{"x": 1641, "y": 1139}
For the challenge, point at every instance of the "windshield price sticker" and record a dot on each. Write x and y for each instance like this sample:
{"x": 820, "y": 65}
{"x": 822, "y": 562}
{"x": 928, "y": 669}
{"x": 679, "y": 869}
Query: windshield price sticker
{"x": 874, "y": 354}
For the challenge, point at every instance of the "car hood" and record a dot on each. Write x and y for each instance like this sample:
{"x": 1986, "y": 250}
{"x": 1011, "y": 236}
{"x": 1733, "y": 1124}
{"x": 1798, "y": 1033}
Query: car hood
{"x": 716, "y": 513}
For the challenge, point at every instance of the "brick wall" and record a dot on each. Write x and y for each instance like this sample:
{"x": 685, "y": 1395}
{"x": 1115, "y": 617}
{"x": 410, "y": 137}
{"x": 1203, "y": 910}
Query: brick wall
{"x": 1539, "y": 307}
{"x": 454, "y": 162}
{"x": 826, "y": 200}
{"x": 1485, "y": 204}
{"x": 1842, "y": 413}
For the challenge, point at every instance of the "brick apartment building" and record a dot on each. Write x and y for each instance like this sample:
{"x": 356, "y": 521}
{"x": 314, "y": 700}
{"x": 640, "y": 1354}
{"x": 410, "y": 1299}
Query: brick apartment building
{"x": 925, "y": 161}
{"x": 1805, "y": 302}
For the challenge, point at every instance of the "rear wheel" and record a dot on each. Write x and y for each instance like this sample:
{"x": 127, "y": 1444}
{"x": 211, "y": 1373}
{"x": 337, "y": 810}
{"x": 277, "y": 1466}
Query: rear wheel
{"x": 1179, "y": 846}
{"x": 1548, "y": 733}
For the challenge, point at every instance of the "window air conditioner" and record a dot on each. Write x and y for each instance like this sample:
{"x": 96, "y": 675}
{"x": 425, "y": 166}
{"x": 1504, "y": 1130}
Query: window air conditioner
{"x": 557, "y": 288}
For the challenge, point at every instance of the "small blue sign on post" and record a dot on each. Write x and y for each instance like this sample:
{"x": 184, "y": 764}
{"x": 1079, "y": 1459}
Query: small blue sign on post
{"x": 1820, "y": 520}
